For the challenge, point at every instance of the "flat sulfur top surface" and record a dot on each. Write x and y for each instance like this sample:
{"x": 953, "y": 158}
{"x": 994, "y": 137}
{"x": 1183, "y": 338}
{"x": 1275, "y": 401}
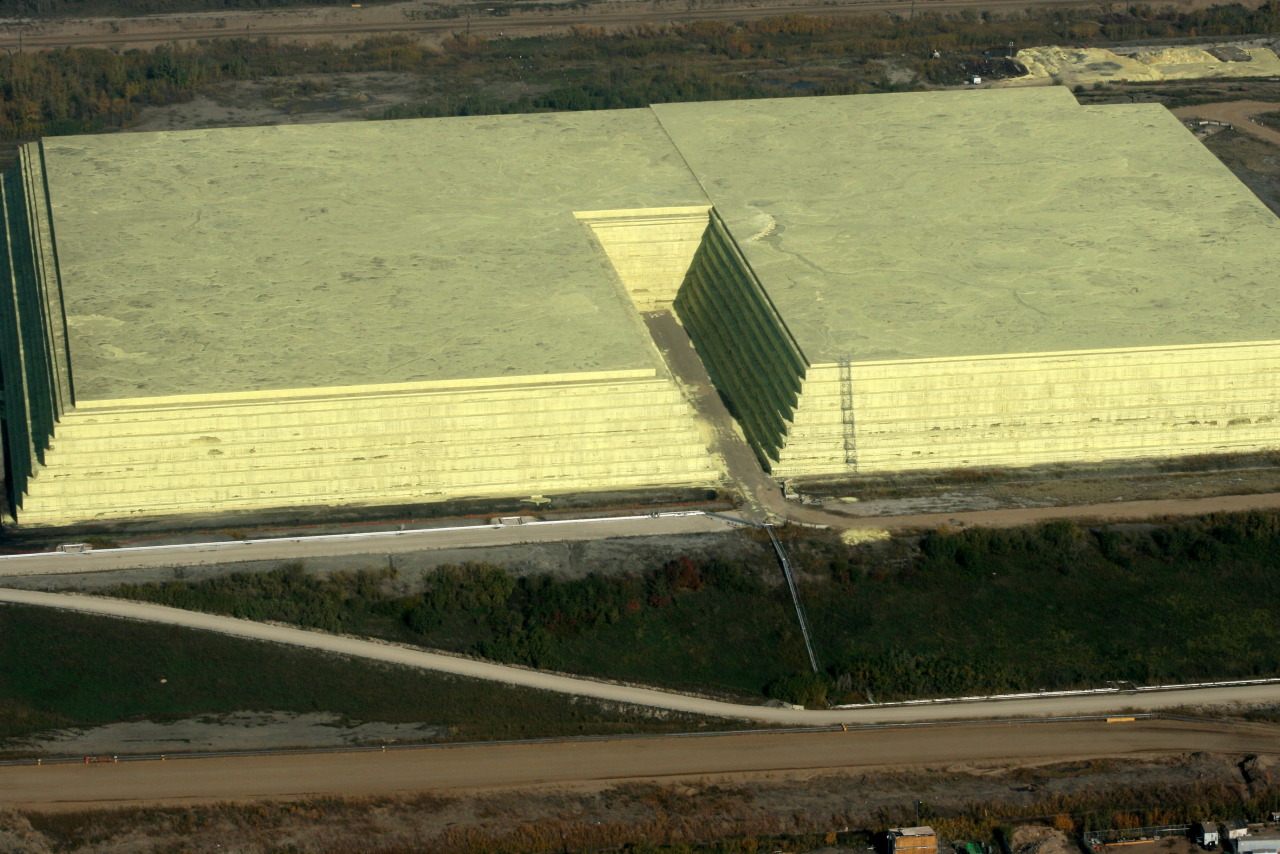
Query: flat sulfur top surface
{"x": 347, "y": 254}
{"x": 921, "y": 225}
{"x": 930, "y": 225}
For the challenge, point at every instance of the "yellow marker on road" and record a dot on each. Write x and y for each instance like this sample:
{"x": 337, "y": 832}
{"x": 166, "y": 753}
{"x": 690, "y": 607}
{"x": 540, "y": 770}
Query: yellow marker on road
{"x": 1120, "y": 720}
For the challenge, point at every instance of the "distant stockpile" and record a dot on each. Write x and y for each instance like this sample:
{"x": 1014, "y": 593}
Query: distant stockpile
{"x": 1084, "y": 66}
{"x": 417, "y": 311}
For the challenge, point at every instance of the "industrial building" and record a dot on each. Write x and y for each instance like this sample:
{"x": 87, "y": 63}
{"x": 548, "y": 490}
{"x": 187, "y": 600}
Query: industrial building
{"x": 393, "y": 312}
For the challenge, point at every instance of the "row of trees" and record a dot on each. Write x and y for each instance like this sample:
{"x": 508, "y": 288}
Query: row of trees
{"x": 125, "y": 8}
{"x": 88, "y": 90}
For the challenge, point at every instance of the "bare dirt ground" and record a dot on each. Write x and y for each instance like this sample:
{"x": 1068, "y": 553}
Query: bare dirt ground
{"x": 287, "y": 101}
{"x": 1012, "y": 491}
{"x": 236, "y": 731}
{"x": 1239, "y": 113}
{"x": 974, "y": 750}
{"x": 1038, "y": 839}
{"x": 432, "y": 21}
{"x": 1119, "y": 511}
{"x": 599, "y": 814}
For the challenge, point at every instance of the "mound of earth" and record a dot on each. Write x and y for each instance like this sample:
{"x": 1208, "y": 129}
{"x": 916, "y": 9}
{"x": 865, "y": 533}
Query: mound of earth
{"x": 1175, "y": 56}
{"x": 1037, "y": 839}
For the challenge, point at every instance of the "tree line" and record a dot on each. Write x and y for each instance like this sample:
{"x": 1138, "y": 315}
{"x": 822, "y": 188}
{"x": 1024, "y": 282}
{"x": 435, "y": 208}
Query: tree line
{"x": 83, "y": 90}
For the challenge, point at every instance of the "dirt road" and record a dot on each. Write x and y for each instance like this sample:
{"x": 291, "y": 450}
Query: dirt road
{"x": 1036, "y": 706}
{"x": 591, "y": 764}
{"x": 1239, "y": 113}
{"x": 1114, "y": 511}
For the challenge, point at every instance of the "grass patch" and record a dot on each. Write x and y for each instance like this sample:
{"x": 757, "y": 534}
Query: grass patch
{"x": 61, "y": 669}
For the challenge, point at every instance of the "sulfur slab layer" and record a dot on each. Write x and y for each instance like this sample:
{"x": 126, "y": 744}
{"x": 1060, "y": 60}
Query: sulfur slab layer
{"x": 360, "y": 313}
{"x": 962, "y": 278}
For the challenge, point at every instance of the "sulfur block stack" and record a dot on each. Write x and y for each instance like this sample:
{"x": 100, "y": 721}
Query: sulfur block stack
{"x": 375, "y": 313}
{"x": 950, "y": 279}
{"x": 411, "y": 311}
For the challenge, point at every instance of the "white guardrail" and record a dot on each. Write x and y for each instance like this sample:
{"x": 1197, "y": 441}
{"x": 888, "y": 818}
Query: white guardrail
{"x": 81, "y": 548}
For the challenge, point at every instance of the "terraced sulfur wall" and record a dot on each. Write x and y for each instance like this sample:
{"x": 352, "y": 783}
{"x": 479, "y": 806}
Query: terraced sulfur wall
{"x": 33, "y": 364}
{"x": 390, "y": 444}
{"x": 650, "y": 249}
{"x": 746, "y": 348}
{"x": 1036, "y": 409}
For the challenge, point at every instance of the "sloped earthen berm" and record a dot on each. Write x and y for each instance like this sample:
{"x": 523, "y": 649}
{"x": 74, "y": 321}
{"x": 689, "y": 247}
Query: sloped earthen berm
{"x": 393, "y": 312}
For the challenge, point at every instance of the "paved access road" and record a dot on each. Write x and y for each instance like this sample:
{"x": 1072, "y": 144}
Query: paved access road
{"x": 579, "y": 763}
{"x": 397, "y": 542}
{"x": 1024, "y": 707}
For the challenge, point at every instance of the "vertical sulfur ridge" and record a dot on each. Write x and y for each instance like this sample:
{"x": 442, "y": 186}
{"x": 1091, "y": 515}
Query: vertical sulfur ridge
{"x": 743, "y": 342}
{"x": 29, "y": 370}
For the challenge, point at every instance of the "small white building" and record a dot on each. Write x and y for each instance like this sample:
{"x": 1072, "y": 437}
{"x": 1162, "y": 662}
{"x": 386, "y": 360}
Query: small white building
{"x": 1206, "y": 833}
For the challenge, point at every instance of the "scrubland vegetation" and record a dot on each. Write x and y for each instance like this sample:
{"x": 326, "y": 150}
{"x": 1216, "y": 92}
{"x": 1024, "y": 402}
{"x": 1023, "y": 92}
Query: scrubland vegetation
{"x": 124, "y": 8}
{"x": 956, "y": 612}
{"x": 89, "y": 90}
